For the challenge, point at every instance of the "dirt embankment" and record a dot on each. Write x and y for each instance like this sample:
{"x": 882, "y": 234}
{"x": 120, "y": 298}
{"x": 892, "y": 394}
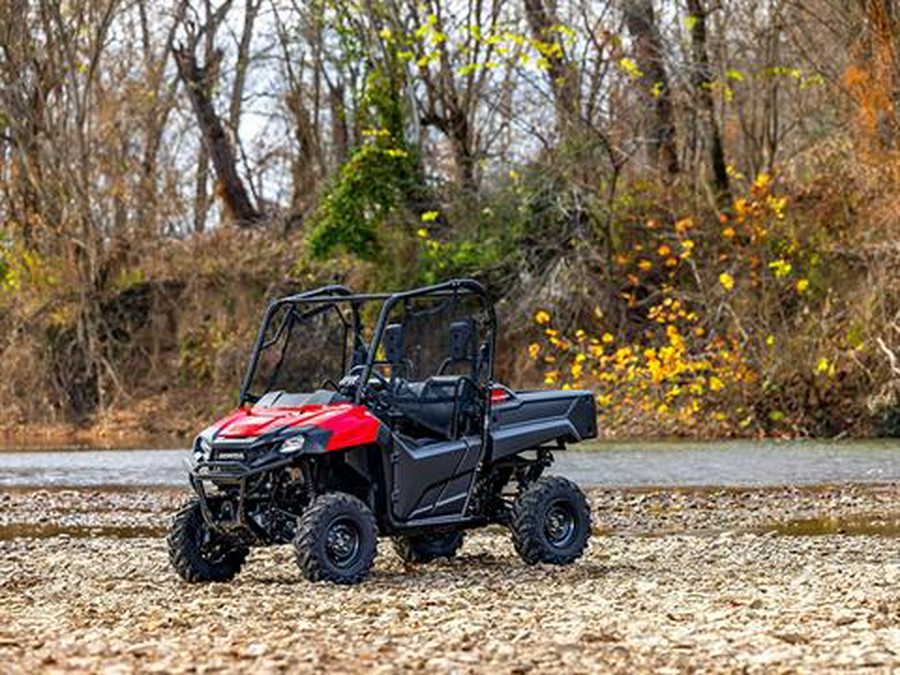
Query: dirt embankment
{"x": 673, "y": 580}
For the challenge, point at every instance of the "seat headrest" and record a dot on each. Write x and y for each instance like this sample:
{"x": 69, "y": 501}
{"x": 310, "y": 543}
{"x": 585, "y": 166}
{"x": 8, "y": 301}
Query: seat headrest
{"x": 393, "y": 343}
{"x": 462, "y": 339}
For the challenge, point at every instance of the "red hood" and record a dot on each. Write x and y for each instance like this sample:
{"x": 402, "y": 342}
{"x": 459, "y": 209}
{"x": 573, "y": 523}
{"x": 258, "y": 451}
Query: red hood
{"x": 349, "y": 424}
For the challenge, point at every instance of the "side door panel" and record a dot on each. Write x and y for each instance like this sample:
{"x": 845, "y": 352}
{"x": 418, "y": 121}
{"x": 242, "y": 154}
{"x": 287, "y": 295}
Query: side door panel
{"x": 432, "y": 479}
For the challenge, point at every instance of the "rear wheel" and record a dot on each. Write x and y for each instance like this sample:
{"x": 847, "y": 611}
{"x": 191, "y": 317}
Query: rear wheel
{"x": 424, "y": 548}
{"x": 551, "y": 522}
{"x": 200, "y": 554}
{"x": 336, "y": 539}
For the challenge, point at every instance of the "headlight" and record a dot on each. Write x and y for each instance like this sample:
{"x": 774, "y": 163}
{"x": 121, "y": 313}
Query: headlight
{"x": 202, "y": 449}
{"x": 291, "y": 445}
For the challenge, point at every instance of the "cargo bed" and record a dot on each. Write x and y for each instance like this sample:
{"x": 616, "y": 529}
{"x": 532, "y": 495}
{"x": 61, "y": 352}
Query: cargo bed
{"x": 528, "y": 419}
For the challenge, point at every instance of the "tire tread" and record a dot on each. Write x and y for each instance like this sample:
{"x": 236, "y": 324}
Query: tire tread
{"x": 310, "y": 528}
{"x": 184, "y": 550}
{"x": 526, "y": 528}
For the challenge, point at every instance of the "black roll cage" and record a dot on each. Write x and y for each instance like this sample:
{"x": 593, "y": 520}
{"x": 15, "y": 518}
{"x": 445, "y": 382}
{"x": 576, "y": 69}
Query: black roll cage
{"x": 334, "y": 294}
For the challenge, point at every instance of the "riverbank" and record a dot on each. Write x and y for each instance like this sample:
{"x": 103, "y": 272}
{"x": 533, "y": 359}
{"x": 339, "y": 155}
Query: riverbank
{"x": 168, "y": 421}
{"x": 674, "y": 579}
{"x": 141, "y": 426}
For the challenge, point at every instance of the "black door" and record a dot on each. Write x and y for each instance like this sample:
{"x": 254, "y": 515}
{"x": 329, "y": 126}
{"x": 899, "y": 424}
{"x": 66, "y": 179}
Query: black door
{"x": 432, "y": 478}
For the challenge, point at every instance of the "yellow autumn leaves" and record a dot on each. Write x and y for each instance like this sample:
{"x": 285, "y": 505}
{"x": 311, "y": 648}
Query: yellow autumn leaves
{"x": 676, "y": 359}
{"x": 678, "y": 376}
{"x": 750, "y": 223}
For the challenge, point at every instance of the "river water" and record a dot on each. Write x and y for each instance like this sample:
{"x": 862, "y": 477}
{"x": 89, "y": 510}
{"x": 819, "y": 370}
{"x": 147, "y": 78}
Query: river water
{"x": 613, "y": 464}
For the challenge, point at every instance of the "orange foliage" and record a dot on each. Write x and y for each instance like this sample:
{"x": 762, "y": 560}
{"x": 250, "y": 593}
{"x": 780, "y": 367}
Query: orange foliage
{"x": 870, "y": 77}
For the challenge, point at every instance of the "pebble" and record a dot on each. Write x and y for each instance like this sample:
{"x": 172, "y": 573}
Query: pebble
{"x": 696, "y": 591}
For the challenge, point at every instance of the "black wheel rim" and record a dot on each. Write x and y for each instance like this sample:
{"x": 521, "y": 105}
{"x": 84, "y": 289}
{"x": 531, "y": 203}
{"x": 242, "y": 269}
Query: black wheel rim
{"x": 559, "y": 524}
{"x": 342, "y": 542}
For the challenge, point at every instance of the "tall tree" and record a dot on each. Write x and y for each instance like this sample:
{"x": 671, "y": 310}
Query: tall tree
{"x": 562, "y": 73}
{"x": 703, "y": 77}
{"x": 200, "y": 81}
{"x": 452, "y": 66}
{"x": 654, "y": 82}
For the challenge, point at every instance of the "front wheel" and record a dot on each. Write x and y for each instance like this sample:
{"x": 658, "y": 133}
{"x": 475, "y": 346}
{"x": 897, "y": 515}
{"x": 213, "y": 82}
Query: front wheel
{"x": 200, "y": 554}
{"x": 551, "y": 522}
{"x": 336, "y": 539}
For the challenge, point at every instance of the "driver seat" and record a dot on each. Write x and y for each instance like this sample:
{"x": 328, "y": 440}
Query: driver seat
{"x": 434, "y": 405}
{"x": 441, "y": 406}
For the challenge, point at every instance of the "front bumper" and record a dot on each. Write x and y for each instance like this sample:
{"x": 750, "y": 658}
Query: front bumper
{"x": 228, "y": 483}
{"x": 231, "y": 482}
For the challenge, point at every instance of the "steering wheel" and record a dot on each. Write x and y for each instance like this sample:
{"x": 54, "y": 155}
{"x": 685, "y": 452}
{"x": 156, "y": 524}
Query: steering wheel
{"x": 358, "y": 370}
{"x": 379, "y": 399}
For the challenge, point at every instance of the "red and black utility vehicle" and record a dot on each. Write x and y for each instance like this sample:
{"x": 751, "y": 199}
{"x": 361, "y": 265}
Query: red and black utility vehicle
{"x": 402, "y": 433}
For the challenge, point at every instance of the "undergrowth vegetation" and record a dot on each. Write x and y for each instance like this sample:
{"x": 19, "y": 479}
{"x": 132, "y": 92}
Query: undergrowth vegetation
{"x": 744, "y": 321}
{"x": 689, "y": 208}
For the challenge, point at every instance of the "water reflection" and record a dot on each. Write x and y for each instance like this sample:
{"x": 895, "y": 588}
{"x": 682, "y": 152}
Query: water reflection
{"x": 48, "y": 530}
{"x": 880, "y": 525}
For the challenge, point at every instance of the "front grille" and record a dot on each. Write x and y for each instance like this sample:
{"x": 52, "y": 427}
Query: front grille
{"x": 232, "y": 451}
{"x": 242, "y": 452}
{"x": 229, "y": 455}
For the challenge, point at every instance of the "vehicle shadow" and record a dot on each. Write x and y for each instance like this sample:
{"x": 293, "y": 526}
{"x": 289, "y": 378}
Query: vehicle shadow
{"x": 475, "y": 570}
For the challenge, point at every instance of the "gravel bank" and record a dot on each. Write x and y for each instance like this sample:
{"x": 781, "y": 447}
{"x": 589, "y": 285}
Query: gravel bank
{"x": 681, "y": 580}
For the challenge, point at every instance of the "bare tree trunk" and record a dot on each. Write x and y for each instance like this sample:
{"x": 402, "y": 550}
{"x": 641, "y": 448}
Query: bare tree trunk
{"x": 463, "y": 157}
{"x": 562, "y": 75}
{"x": 303, "y": 168}
{"x": 340, "y": 135}
{"x": 654, "y": 82}
{"x": 230, "y": 186}
{"x": 451, "y": 98}
{"x": 158, "y": 114}
{"x": 202, "y": 196}
{"x": 454, "y": 124}
{"x": 251, "y": 10}
{"x": 702, "y": 77}
{"x": 24, "y": 108}
{"x": 201, "y": 190}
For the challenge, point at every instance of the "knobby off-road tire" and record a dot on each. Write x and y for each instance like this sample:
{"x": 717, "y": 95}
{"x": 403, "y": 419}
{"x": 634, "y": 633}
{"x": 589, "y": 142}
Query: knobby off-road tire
{"x": 198, "y": 554}
{"x": 336, "y": 539}
{"x": 551, "y": 522}
{"x": 424, "y": 548}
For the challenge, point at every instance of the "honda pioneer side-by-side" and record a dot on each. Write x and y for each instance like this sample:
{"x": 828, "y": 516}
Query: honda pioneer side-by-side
{"x": 346, "y": 433}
